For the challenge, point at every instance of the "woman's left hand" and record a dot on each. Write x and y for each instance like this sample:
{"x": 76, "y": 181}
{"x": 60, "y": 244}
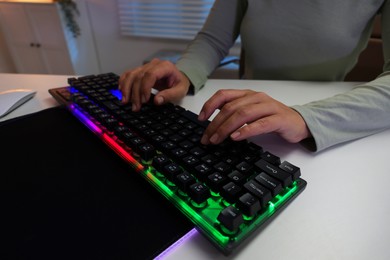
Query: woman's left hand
{"x": 247, "y": 113}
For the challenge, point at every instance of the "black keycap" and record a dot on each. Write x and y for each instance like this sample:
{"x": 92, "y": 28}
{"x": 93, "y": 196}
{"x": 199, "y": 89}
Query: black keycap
{"x": 270, "y": 183}
{"x": 110, "y": 105}
{"x": 146, "y": 151}
{"x": 210, "y": 159}
{"x": 197, "y": 151}
{"x": 223, "y": 167}
{"x": 159, "y": 161}
{"x": 231, "y": 192}
{"x": 199, "y": 192}
{"x": 158, "y": 139}
{"x": 190, "y": 161}
{"x": 253, "y": 149}
{"x": 275, "y": 172}
{"x": 231, "y": 218}
{"x": 178, "y": 153}
{"x": 171, "y": 171}
{"x": 126, "y": 135}
{"x": 185, "y": 132}
{"x": 186, "y": 145}
{"x": 216, "y": 180}
{"x": 191, "y": 126}
{"x": 244, "y": 167}
{"x": 292, "y": 169}
{"x": 194, "y": 138}
{"x": 136, "y": 141}
{"x": 176, "y": 138}
{"x": 230, "y": 159}
{"x": 248, "y": 204}
{"x": 181, "y": 120}
{"x": 110, "y": 123}
{"x": 237, "y": 177}
{"x": 269, "y": 157}
{"x": 260, "y": 192}
{"x": 175, "y": 127}
{"x": 165, "y": 131}
{"x": 168, "y": 145}
{"x": 201, "y": 171}
{"x": 184, "y": 181}
{"x": 149, "y": 132}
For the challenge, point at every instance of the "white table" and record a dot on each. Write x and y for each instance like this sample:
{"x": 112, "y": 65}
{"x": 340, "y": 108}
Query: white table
{"x": 342, "y": 214}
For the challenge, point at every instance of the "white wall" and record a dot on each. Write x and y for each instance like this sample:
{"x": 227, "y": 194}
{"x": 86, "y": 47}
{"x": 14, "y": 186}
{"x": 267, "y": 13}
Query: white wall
{"x": 118, "y": 53}
{"x": 115, "y": 53}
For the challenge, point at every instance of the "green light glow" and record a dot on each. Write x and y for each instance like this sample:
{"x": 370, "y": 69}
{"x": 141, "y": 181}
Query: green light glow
{"x": 189, "y": 211}
{"x": 206, "y": 217}
{"x": 203, "y": 216}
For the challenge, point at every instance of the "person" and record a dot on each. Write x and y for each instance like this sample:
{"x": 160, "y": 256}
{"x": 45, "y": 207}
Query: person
{"x": 283, "y": 40}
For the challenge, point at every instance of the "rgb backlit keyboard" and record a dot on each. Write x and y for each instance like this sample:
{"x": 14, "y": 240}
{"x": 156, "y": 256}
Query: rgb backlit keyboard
{"x": 228, "y": 191}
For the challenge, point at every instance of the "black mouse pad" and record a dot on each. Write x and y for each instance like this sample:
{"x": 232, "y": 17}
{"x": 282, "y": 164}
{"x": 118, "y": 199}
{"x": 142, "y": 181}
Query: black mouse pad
{"x": 65, "y": 195}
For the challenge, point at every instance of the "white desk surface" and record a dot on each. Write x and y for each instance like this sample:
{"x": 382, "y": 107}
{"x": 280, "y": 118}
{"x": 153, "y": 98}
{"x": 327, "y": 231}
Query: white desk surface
{"x": 342, "y": 214}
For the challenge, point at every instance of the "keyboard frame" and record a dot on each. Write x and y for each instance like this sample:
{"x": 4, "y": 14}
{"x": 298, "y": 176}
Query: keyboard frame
{"x": 225, "y": 243}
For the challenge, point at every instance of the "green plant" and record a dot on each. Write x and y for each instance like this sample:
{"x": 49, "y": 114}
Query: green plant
{"x": 70, "y": 10}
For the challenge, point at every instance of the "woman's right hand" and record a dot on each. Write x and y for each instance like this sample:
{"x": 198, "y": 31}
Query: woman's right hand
{"x": 136, "y": 84}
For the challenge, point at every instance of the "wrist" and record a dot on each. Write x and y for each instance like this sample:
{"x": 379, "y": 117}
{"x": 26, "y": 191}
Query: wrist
{"x": 187, "y": 84}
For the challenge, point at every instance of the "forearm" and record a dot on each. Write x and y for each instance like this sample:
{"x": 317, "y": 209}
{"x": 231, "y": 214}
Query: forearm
{"x": 198, "y": 62}
{"x": 363, "y": 111}
{"x": 213, "y": 42}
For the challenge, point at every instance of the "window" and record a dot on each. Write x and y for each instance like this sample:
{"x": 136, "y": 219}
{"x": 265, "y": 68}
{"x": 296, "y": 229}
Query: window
{"x": 175, "y": 19}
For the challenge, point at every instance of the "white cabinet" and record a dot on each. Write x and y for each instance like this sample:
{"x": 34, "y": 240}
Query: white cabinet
{"x": 39, "y": 43}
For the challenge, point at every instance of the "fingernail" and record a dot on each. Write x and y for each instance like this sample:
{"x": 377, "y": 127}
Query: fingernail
{"x": 159, "y": 100}
{"x": 214, "y": 138}
{"x": 143, "y": 99}
{"x": 235, "y": 135}
{"x": 134, "y": 107}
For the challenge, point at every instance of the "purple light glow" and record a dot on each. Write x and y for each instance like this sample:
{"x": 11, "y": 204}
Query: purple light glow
{"x": 175, "y": 245}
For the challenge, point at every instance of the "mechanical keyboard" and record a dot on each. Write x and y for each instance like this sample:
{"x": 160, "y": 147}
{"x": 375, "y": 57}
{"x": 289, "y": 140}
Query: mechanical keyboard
{"x": 228, "y": 191}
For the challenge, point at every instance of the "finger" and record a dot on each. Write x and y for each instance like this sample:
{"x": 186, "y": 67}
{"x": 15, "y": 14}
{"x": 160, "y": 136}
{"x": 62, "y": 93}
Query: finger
{"x": 176, "y": 84}
{"x": 149, "y": 81}
{"x": 171, "y": 94}
{"x": 230, "y": 122}
{"x": 126, "y": 83}
{"x": 283, "y": 120}
{"x": 143, "y": 83}
{"x": 234, "y": 114}
{"x": 125, "y": 86}
{"x": 263, "y": 125}
{"x": 210, "y": 135}
{"x": 218, "y": 100}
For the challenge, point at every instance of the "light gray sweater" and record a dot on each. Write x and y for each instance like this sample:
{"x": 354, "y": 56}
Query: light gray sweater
{"x": 307, "y": 40}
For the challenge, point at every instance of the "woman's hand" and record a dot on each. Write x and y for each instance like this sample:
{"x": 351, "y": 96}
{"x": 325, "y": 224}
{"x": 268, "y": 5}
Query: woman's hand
{"x": 246, "y": 113}
{"x": 136, "y": 84}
